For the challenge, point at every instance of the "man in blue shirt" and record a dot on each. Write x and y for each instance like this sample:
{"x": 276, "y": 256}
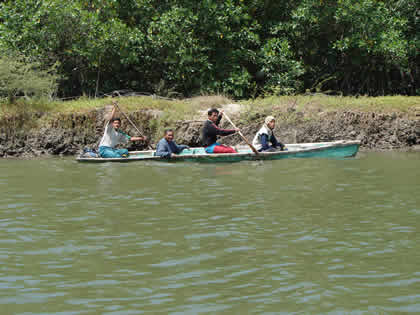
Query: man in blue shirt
{"x": 167, "y": 147}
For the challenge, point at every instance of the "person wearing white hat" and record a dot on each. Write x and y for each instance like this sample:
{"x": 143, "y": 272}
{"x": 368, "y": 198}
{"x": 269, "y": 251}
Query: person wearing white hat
{"x": 264, "y": 140}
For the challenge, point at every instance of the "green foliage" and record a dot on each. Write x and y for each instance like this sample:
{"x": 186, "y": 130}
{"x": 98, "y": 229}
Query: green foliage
{"x": 84, "y": 39}
{"x": 282, "y": 71}
{"x": 362, "y": 44}
{"x": 204, "y": 47}
{"x": 19, "y": 76}
{"x": 241, "y": 48}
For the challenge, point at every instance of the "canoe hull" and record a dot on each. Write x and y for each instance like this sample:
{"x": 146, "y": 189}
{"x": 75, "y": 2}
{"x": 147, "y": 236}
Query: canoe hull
{"x": 337, "y": 149}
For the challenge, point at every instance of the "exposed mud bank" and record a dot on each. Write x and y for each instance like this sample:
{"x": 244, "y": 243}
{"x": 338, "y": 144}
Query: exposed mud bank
{"x": 30, "y": 135}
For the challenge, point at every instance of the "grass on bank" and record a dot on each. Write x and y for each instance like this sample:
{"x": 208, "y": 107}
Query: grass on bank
{"x": 34, "y": 113}
{"x": 383, "y": 104}
{"x": 130, "y": 103}
{"x": 187, "y": 108}
{"x": 309, "y": 107}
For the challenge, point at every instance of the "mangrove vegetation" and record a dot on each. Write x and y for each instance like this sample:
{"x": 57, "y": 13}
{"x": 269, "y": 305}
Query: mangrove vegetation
{"x": 181, "y": 48}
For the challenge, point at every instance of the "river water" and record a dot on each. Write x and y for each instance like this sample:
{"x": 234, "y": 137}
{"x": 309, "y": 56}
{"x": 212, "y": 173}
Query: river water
{"x": 298, "y": 236}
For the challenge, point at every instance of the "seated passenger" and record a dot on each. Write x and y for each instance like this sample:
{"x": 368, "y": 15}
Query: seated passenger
{"x": 167, "y": 147}
{"x": 114, "y": 136}
{"x": 264, "y": 140}
{"x": 211, "y": 131}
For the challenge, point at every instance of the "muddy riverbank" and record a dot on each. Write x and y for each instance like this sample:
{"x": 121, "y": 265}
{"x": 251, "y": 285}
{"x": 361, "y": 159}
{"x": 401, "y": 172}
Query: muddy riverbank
{"x": 37, "y": 134}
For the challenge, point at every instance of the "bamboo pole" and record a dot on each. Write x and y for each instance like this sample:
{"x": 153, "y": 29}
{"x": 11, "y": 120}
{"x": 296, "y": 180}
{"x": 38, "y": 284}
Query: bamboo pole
{"x": 141, "y": 135}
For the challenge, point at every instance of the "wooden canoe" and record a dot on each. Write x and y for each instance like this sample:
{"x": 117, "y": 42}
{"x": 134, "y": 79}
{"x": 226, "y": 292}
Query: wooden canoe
{"x": 335, "y": 149}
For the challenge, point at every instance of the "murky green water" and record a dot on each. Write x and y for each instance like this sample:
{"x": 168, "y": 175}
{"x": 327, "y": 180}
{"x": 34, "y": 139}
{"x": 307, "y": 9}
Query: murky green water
{"x": 309, "y": 236}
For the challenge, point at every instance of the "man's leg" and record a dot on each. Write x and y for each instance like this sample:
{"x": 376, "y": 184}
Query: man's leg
{"x": 272, "y": 149}
{"x": 223, "y": 149}
{"x": 122, "y": 152}
{"x": 107, "y": 152}
{"x": 210, "y": 148}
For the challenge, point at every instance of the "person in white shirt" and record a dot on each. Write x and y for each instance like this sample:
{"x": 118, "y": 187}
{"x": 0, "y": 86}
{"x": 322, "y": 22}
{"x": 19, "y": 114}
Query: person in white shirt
{"x": 264, "y": 140}
{"x": 114, "y": 136}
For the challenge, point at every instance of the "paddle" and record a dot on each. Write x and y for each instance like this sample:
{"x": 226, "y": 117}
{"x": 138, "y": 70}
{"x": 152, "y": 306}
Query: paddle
{"x": 141, "y": 135}
{"x": 242, "y": 136}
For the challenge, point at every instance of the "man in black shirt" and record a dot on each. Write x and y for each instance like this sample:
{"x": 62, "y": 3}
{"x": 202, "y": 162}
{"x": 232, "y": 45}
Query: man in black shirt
{"x": 211, "y": 131}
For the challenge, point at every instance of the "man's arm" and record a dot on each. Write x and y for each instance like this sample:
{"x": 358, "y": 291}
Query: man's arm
{"x": 219, "y": 131}
{"x": 125, "y": 137}
{"x": 219, "y": 118}
{"x": 138, "y": 138}
{"x": 276, "y": 143}
{"x": 109, "y": 118}
{"x": 264, "y": 142}
{"x": 180, "y": 147}
{"x": 224, "y": 132}
{"x": 114, "y": 109}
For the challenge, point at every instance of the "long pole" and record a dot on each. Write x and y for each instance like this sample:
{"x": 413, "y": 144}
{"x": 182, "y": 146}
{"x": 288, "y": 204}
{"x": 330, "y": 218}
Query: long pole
{"x": 242, "y": 136}
{"x": 141, "y": 135}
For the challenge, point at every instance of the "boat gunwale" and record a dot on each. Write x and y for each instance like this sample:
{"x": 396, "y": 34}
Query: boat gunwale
{"x": 325, "y": 145}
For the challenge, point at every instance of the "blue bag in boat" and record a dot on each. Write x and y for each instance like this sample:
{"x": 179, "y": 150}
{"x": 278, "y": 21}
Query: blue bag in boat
{"x": 88, "y": 152}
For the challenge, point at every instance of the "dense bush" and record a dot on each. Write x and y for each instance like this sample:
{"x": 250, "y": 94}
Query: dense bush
{"x": 21, "y": 77}
{"x": 238, "y": 47}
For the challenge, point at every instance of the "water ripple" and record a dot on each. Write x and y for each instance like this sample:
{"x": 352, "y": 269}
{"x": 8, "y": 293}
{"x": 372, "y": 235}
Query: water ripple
{"x": 283, "y": 237}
